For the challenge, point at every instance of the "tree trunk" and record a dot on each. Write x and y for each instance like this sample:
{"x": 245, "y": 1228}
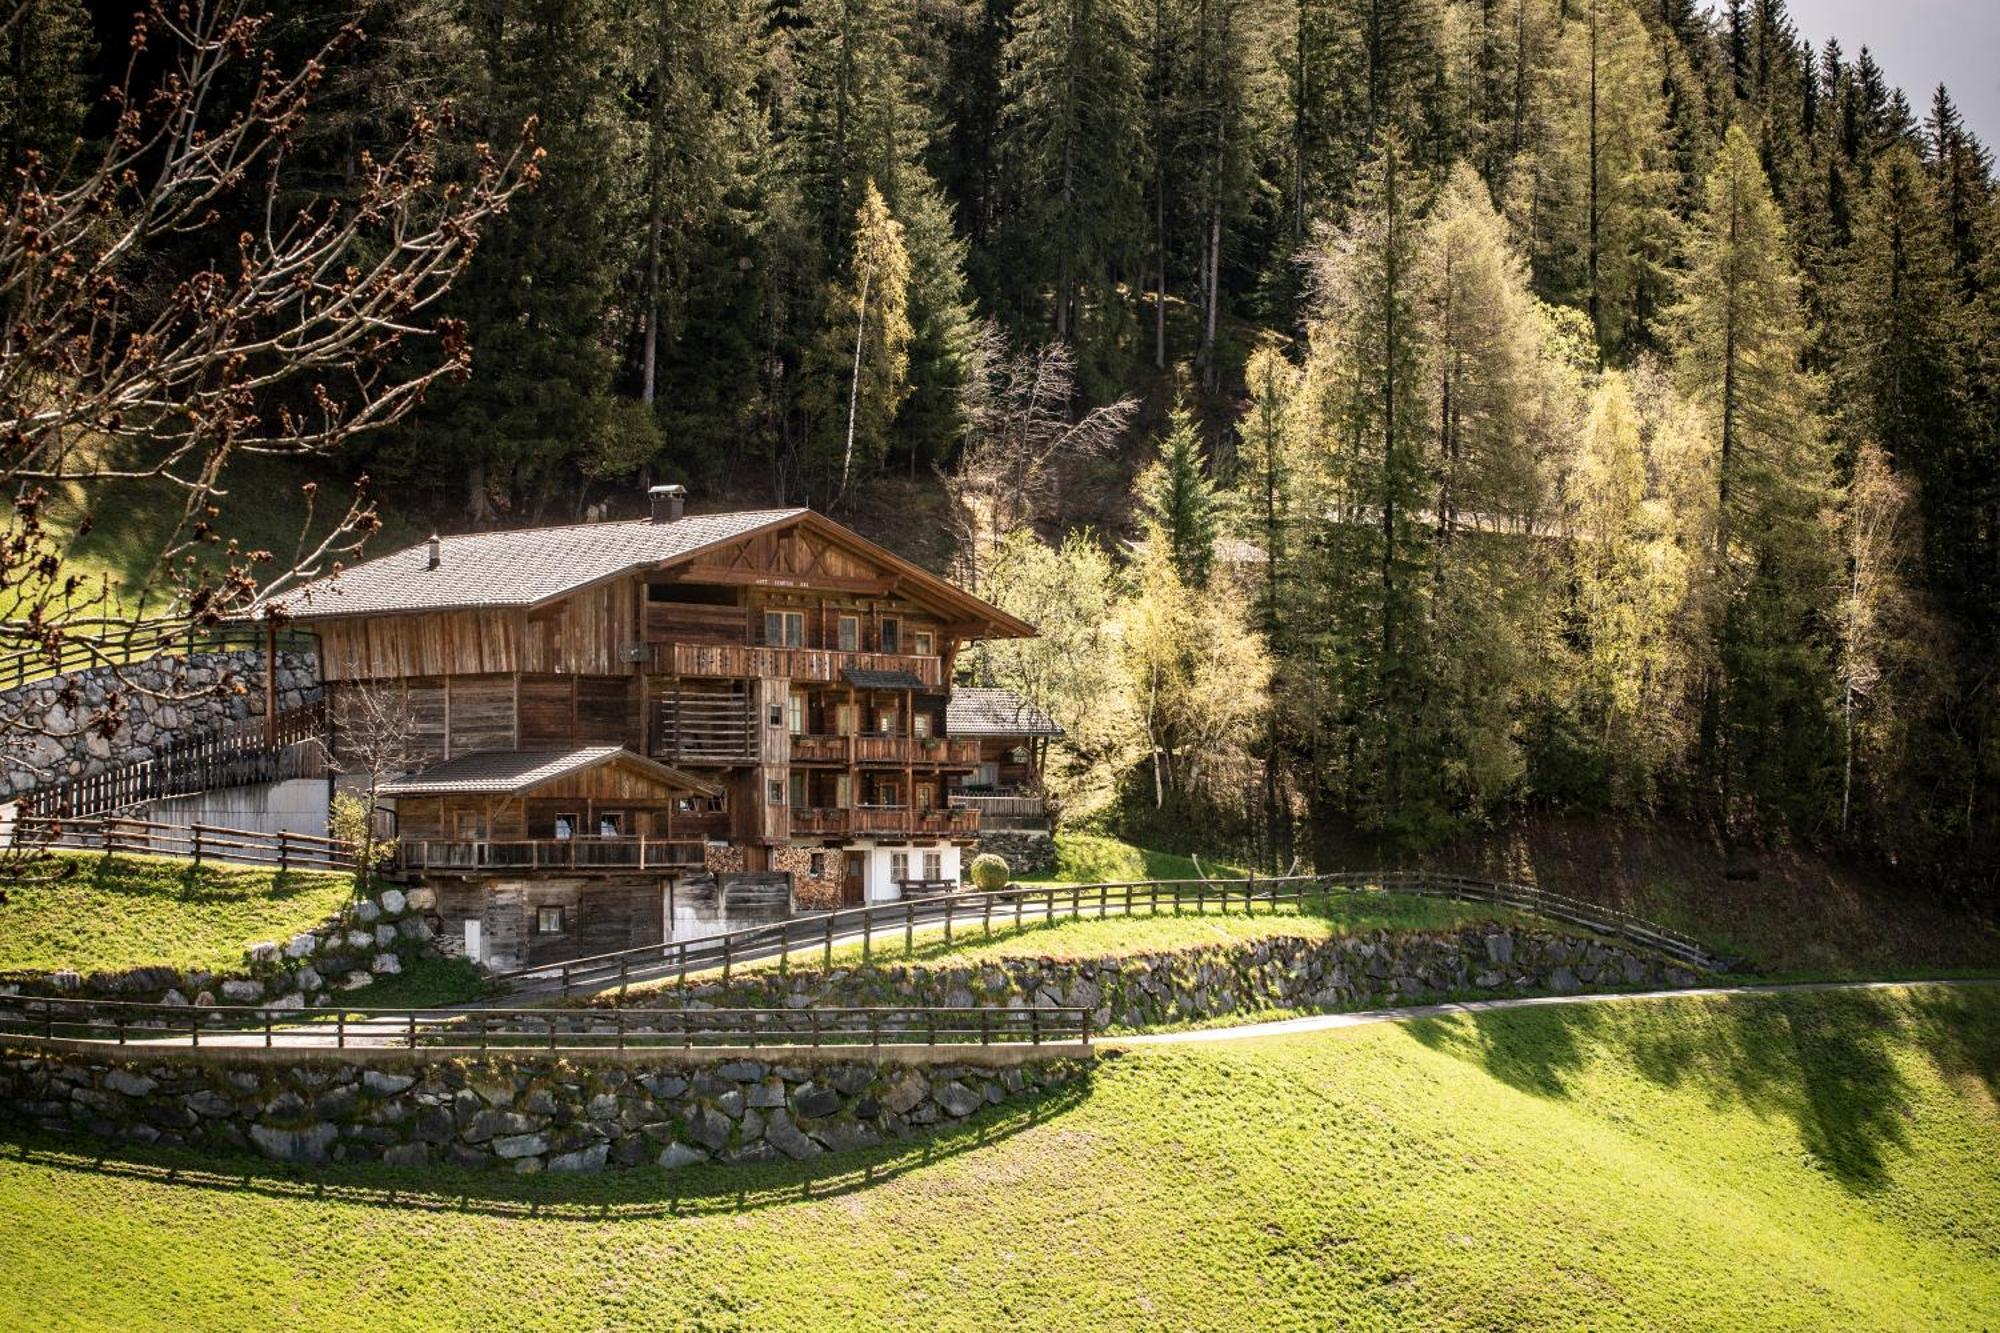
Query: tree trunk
{"x": 854, "y": 385}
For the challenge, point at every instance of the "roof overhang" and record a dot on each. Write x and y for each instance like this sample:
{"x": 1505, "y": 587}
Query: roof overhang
{"x": 520, "y": 772}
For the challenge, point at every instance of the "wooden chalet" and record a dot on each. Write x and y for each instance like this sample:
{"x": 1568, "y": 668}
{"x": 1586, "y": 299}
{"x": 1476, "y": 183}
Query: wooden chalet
{"x": 745, "y": 694}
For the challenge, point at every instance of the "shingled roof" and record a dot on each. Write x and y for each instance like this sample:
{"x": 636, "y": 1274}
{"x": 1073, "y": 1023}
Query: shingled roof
{"x": 521, "y": 568}
{"x": 991, "y": 712}
{"x": 507, "y": 772}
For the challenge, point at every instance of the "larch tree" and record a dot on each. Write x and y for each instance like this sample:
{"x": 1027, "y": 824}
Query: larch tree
{"x": 869, "y": 312}
{"x": 1741, "y": 341}
{"x": 1602, "y": 231}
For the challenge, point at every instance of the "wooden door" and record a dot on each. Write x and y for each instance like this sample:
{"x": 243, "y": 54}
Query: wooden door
{"x": 853, "y": 865}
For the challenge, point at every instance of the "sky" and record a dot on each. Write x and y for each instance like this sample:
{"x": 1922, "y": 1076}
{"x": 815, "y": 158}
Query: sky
{"x": 1919, "y": 44}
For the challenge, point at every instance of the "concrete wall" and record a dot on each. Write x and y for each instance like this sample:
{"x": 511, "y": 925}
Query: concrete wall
{"x": 574, "y": 1113}
{"x": 297, "y": 806}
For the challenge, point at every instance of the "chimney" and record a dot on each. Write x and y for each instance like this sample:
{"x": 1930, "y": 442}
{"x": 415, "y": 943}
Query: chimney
{"x": 669, "y": 502}
{"x": 437, "y": 552}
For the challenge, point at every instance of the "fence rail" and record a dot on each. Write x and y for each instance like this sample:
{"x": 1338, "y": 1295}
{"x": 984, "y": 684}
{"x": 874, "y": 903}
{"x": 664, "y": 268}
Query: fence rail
{"x": 1019, "y": 905}
{"x": 139, "y": 643}
{"x": 122, "y": 1023}
{"x": 198, "y": 842}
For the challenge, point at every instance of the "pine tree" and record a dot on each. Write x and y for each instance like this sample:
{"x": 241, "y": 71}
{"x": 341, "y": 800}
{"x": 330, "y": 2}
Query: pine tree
{"x": 1178, "y": 505}
{"x": 1074, "y": 82}
{"x": 46, "y": 48}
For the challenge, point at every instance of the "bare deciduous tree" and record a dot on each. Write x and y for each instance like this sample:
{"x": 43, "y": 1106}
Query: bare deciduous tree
{"x": 316, "y": 329}
{"x": 1018, "y": 427}
{"x": 378, "y": 740}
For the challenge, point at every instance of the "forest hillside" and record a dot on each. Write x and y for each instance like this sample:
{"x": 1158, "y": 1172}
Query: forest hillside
{"x": 1400, "y": 415}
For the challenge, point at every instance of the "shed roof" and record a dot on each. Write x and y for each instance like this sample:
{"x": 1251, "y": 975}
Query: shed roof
{"x": 994, "y": 712}
{"x": 508, "y": 772}
{"x": 864, "y": 679}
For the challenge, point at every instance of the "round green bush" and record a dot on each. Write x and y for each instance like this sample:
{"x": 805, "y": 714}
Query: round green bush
{"x": 989, "y": 872}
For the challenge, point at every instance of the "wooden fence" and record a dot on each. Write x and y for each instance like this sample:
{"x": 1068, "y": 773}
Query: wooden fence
{"x": 200, "y": 843}
{"x": 1019, "y": 905}
{"x": 237, "y": 755}
{"x": 139, "y": 643}
{"x": 122, "y": 1023}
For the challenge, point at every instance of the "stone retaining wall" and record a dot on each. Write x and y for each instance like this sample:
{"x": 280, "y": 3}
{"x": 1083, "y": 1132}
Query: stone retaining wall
{"x": 371, "y": 937}
{"x": 1149, "y": 990}
{"x": 227, "y": 687}
{"x": 1026, "y": 851}
{"x": 549, "y": 1114}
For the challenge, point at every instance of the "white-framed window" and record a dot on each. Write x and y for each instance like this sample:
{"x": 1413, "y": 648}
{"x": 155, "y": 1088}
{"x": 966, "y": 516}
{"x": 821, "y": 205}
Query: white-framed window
{"x": 891, "y": 635}
{"x": 922, "y": 724}
{"x": 899, "y": 866}
{"x": 848, "y": 634}
{"x": 933, "y": 866}
{"x": 611, "y": 824}
{"x": 566, "y": 826}
{"x": 548, "y": 920}
{"x": 923, "y": 643}
{"x": 795, "y": 714}
{"x": 785, "y": 629}
{"x": 775, "y": 792}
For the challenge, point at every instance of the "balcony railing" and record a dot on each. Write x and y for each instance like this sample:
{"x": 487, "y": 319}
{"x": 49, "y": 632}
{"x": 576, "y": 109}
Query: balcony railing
{"x": 869, "y": 820}
{"x": 735, "y": 661}
{"x": 1004, "y": 812}
{"x": 574, "y": 854}
{"x": 957, "y": 751}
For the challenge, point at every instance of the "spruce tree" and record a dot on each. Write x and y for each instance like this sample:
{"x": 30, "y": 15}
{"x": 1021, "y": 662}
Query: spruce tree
{"x": 1178, "y": 505}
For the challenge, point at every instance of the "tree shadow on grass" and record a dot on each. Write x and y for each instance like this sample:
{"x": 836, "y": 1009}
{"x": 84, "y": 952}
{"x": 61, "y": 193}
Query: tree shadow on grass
{"x": 613, "y": 1195}
{"x": 1825, "y": 1062}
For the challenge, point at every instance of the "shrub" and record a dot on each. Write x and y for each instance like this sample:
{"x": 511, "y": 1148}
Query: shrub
{"x": 989, "y": 872}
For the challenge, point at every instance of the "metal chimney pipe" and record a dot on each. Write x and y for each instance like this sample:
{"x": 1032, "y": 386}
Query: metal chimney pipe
{"x": 668, "y": 503}
{"x": 436, "y": 552}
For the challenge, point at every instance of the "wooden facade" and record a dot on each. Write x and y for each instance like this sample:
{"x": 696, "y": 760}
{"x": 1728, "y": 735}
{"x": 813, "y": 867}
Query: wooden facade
{"x": 798, "y": 670}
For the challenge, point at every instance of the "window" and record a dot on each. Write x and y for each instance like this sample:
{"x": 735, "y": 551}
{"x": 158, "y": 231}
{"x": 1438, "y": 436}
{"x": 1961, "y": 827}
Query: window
{"x": 548, "y": 920}
{"x": 886, "y": 793}
{"x": 922, "y": 723}
{"x": 566, "y": 826}
{"x": 922, "y": 642}
{"x": 842, "y": 792}
{"x": 892, "y": 635}
{"x": 925, "y": 796}
{"x": 850, "y": 634}
{"x": 798, "y": 780}
{"x": 776, "y": 715}
{"x": 933, "y": 866}
{"x": 785, "y": 629}
{"x": 795, "y": 714}
{"x": 887, "y": 722}
{"x": 775, "y": 792}
{"x": 816, "y": 865}
{"x": 610, "y": 824}
{"x": 899, "y": 866}
{"x": 843, "y": 720}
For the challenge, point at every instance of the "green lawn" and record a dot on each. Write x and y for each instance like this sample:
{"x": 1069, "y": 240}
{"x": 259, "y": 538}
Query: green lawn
{"x": 1777, "y": 1162}
{"x": 1119, "y": 936}
{"x": 1089, "y": 858}
{"x": 130, "y": 911}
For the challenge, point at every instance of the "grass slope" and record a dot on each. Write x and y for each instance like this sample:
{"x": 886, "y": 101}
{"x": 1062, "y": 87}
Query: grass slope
{"x": 114, "y": 912}
{"x": 1778, "y": 1162}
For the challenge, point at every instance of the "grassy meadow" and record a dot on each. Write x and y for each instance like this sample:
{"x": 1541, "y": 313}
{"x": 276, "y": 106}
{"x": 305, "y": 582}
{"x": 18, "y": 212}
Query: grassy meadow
{"x": 1805, "y": 1161}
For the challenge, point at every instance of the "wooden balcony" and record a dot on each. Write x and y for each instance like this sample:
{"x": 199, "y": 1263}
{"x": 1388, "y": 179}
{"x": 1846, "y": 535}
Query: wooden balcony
{"x": 1004, "y": 812}
{"x": 901, "y": 751}
{"x": 868, "y": 821}
{"x": 691, "y": 728}
{"x": 580, "y": 856}
{"x": 735, "y": 661}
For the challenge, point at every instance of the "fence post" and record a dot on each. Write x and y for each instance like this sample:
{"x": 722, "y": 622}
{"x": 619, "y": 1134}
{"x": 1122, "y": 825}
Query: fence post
{"x": 284, "y": 851}
{"x": 826, "y": 964}
{"x": 909, "y": 929}
{"x": 1035, "y": 1025}
{"x": 867, "y": 934}
{"x": 340, "y": 1031}
{"x": 728, "y": 951}
{"x": 195, "y": 830}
